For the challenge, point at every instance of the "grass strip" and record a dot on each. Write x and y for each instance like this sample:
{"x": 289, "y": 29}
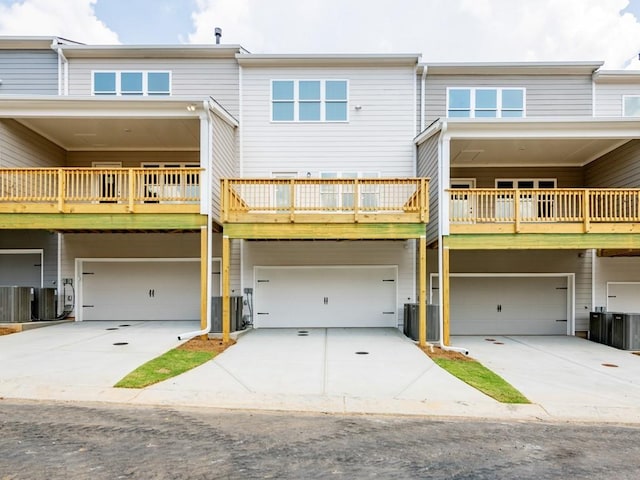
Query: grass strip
{"x": 172, "y": 363}
{"x": 483, "y": 379}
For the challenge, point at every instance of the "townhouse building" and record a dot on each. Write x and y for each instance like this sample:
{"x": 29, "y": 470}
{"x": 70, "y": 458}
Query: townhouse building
{"x": 327, "y": 190}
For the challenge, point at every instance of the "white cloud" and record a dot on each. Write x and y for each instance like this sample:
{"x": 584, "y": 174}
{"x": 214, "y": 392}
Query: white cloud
{"x": 72, "y": 19}
{"x": 442, "y": 30}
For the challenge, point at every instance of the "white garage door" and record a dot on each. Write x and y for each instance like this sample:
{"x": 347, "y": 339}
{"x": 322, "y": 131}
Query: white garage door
{"x": 508, "y": 305}
{"x": 623, "y": 297}
{"x": 325, "y": 297}
{"x": 138, "y": 290}
{"x": 21, "y": 269}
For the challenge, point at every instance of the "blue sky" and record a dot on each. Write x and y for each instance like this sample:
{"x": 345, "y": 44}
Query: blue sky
{"x": 442, "y": 30}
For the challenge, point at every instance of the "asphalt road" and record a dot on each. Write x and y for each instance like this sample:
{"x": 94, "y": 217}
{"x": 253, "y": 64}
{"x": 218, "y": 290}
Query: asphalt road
{"x": 41, "y": 440}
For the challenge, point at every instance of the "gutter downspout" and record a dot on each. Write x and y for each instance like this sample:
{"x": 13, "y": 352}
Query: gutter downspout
{"x": 209, "y": 210}
{"x": 422, "y": 90}
{"x": 441, "y": 221}
{"x": 63, "y": 68}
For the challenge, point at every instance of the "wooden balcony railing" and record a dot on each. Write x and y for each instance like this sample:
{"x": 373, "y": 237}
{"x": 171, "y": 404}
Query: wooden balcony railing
{"x": 99, "y": 190}
{"x": 537, "y": 210}
{"x": 371, "y": 200}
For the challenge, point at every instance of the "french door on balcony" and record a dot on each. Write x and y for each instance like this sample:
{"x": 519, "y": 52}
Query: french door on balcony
{"x": 532, "y": 206}
{"x": 462, "y": 206}
{"x": 342, "y": 196}
{"x": 169, "y": 187}
{"x": 108, "y": 186}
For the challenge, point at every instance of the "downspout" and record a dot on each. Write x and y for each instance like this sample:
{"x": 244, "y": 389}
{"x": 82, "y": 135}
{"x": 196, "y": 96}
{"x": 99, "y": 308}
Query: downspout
{"x": 209, "y": 211}
{"x": 63, "y": 68}
{"x": 441, "y": 222}
{"x": 422, "y": 90}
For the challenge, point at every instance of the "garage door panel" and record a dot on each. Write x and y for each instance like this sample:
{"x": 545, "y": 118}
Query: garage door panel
{"x": 141, "y": 290}
{"x": 508, "y": 305}
{"x": 326, "y": 297}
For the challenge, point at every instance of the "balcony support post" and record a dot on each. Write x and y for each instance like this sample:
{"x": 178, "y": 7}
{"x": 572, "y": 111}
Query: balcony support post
{"x": 61, "y": 189}
{"x": 356, "y": 199}
{"x": 131, "y": 190}
{"x": 422, "y": 294}
{"x": 586, "y": 212}
{"x": 446, "y": 297}
{"x": 226, "y": 314}
{"x": 516, "y": 209}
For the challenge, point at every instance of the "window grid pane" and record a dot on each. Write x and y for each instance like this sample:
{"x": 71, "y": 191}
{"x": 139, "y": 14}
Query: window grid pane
{"x": 282, "y": 90}
{"x": 336, "y": 112}
{"x": 283, "y": 111}
{"x": 459, "y": 99}
{"x": 309, "y": 90}
{"x": 158, "y": 83}
{"x": 104, "y": 82}
{"x": 131, "y": 83}
{"x": 309, "y": 112}
{"x": 336, "y": 90}
{"x": 632, "y": 106}
{"x": 309, "y": 100}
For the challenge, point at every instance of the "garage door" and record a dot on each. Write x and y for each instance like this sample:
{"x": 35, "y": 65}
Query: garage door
{"x": 21, "y": 269}
{"x": 508, "y": 305}
{"x": 623, "y": 297}
{"x": 325, "y": 297}
{"x": 140, "y": 290}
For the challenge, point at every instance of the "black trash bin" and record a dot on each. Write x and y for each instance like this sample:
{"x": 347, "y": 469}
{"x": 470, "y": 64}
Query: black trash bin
{"x": 411, "y": 327}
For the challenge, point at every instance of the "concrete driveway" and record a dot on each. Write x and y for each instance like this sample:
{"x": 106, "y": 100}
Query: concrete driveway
{"x": 568, "y": 376}
{"x": 80, "y": 360}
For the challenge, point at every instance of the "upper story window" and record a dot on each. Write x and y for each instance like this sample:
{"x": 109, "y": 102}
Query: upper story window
{"x": 631, "y": 105}
{"x": 131, "y": 83}
{"x": 485, "y": 102}
{"x": 309, "y": 100}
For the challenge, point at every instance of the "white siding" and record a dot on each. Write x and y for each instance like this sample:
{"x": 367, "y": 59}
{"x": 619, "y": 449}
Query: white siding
{"x": 335, "y": 253}
{"x": 217, "y": 78}
{"x": 534, "y": 261}
{"x": 619, "y": 269}
{"x": 377, "y": 138}
{"x": 609, "y": 98}
{"x": 21, "y": 147}
{"x": 225, "y": 163}
{"x": 546, "y": 95}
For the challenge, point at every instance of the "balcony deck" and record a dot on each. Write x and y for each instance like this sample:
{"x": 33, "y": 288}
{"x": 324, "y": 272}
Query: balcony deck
{"x": 325, "y": 208}
{"x": 544, "y": 211}
{"x": 95, "y": 197}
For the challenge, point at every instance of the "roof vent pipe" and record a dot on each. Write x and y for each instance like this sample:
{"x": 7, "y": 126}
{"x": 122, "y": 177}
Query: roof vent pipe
{"x": 218, "y": 33}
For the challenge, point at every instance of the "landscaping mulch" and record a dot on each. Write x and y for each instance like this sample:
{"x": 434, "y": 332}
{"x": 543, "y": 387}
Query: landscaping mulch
{"x": 199, "y": 344}
{"x": 448, "y": 354}
{"x": 6, "y": 331}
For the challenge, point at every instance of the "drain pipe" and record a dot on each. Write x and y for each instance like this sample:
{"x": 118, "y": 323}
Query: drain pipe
{"x": 441, "y": 221}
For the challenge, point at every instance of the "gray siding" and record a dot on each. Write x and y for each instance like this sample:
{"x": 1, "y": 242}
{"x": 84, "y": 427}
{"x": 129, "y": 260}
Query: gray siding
{"x": 376, "y": 138}
{"x": 217, "y": 78}
{"x": 129, "y": 159}
{"x": 534, "y": 261}
{"x": 28, "y": 72}
{"x": 546, "y": 95}
{"x": 428, "y": 167}
{"x": 21, "y": 147}
{"x": 224, "y": 159}
{"x": 620, "y": 269}
{"x": 609, "y": 98}
{"x": 567, "y": 177}
{"x": 617, "y": 169}
{"x": 25, "y": 239}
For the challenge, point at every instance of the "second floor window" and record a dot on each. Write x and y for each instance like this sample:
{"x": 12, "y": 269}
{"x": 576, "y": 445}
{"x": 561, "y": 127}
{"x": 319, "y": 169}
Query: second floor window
{"x": 131, "y": 83}
{"x": 485, "y": 102}
{"x": 309, "y": 101}
{"x": 631, "y": 106}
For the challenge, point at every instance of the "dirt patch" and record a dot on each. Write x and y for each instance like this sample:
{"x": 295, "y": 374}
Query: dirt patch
{"x": 636, "y": 353}
{"x": 199, "y": 344}
{"x": 7, "y": 331}
{"x": 449, "y": 354}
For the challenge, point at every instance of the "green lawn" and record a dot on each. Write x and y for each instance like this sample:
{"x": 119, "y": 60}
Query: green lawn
{"x": 483, "y": 379}
{"x": 172, "y": 363}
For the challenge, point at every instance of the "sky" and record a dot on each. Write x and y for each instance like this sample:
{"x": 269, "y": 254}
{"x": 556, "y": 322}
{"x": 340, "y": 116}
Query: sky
{"x": 441, "y": 30}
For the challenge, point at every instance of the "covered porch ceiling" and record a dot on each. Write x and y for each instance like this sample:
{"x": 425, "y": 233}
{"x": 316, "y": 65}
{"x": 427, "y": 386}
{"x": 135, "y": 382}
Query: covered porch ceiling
{"x": 528, "y": 152}
{"x": 110, "y": 123}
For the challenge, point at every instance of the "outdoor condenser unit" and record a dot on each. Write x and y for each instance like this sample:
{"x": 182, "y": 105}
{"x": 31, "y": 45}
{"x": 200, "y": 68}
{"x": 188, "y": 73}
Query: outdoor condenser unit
{"x": 44, "y": 303}
{"x": 15, "y": 304}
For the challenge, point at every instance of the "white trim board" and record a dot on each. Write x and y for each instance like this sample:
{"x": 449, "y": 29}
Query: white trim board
{"x": 571, "y": 287}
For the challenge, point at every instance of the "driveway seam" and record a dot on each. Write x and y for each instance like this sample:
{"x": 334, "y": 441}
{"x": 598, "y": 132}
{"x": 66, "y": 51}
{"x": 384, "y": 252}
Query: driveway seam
{"x": 326, "y": 361}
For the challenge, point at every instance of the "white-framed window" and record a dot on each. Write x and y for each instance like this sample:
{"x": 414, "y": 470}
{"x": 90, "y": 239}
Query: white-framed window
{"x": 340, "y": 196}
{"x": 309, "y": 100}
{"x": 485, "y": 102}
{"x": 130, "y": 82}
{"x": 282, "y": 192}
{"x": 171, "y": 185}
{"x": 532, "y": 206}
{"x": 631, "y": 105}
